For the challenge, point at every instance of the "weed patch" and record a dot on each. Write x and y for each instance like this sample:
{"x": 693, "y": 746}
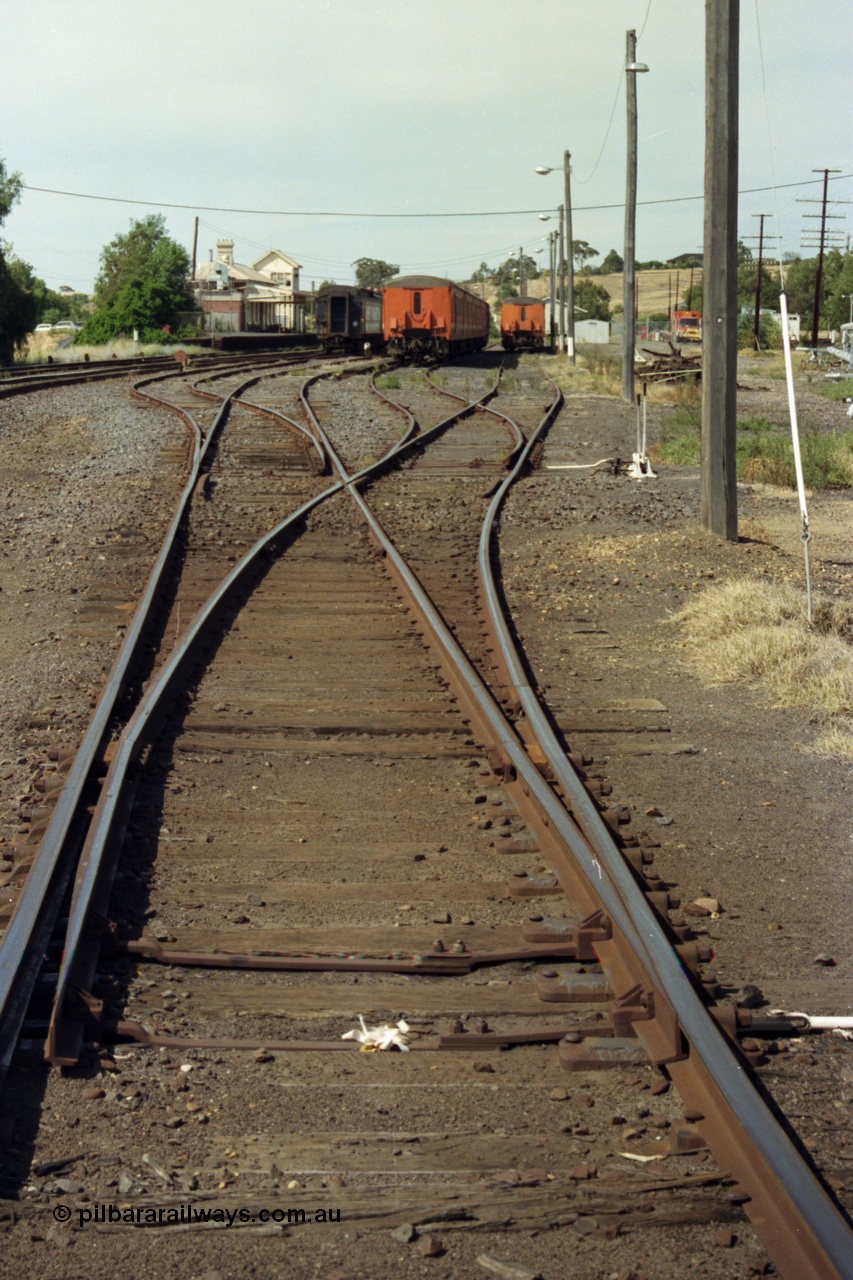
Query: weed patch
{"x": 756, "y": 631}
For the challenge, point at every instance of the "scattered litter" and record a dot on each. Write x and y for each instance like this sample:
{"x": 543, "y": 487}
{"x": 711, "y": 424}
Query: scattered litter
{"x": 157, "y": 1168}
{"x": 631, "y": 1155}
{"x": 841, "y": 1024}
{"x": 506, "y": 1270}
{"x": 373, "y": 1039}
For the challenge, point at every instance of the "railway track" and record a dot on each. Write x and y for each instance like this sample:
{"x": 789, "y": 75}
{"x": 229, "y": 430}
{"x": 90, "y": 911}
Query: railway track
{"x": 337, "y": 794}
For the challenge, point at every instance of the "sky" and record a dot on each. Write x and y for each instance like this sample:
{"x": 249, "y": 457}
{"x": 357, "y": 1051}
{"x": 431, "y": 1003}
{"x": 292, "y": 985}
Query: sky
{"x": 312, "y": 126}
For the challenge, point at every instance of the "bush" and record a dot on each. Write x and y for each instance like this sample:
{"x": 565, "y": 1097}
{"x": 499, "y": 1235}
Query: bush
{"x": 769, "y": 331}
{"x": 138, "y": 305}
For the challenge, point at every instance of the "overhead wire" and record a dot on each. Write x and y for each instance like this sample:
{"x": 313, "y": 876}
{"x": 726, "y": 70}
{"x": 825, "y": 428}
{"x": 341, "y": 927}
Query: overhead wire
{"x": 459, "y": 213}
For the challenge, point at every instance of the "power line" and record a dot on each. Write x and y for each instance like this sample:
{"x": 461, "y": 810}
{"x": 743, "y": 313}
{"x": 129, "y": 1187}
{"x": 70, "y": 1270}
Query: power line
{"x": 342, "y": 213}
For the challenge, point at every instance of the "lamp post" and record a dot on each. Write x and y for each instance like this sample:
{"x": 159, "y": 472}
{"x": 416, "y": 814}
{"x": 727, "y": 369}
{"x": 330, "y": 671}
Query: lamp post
{"x": 567, "y": 293}
{"x": 629, "y": 291}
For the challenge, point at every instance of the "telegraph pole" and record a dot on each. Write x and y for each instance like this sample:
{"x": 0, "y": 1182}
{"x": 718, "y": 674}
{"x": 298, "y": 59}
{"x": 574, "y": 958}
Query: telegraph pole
{"x": 562, "y": 282}
{"x": 756, "y": 341}
{"x": 819, "y": 277}
{"x": 195, "y": 244}
{"x": 570, "y": 290}
{"x": 719, "y": 303}
{"x": 552, "y": 252}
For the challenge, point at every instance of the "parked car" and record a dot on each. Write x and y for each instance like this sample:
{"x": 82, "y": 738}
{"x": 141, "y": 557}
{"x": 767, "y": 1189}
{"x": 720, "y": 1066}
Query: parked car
{"x": 67, "y": 324}
{"x": 43, "y": 328}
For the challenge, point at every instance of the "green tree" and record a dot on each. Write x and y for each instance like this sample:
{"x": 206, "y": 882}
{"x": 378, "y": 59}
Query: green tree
{"x": 484, "y": 272}
{"x": 839, "y": 308}
{"x": 581, "y": 251}
{"x": 800, "y": 280}
{"x": 769, "y": 331}
{"x": 592, "y": 300}
{"x": 747, "y": 282}
{"x": 613, "y": 263}
{"x": 139, "y": 305}
{"x": 373, "y": 273}
{"x": 510, "y": 277}
{"x": 18, "y": 306}
{"x": 145, "y": 252}
{"x": 142, "y": 284}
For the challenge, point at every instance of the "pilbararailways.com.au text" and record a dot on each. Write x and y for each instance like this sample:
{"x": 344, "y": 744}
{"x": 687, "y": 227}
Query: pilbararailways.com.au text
{"x": 190, "y": 1215}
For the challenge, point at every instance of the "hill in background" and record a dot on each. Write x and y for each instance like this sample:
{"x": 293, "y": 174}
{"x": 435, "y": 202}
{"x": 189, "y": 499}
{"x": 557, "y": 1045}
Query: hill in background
{"x": 655, "y": 289}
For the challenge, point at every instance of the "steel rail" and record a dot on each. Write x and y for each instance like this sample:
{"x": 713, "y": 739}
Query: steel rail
{"x": 800, "y": 1224}
{"x": 91, "y": 888}
{"x": 28, "y": 933}
{"x": 817, "y": 1246}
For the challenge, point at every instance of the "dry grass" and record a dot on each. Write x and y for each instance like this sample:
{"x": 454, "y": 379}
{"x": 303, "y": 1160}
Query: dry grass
{"x": 758, "y": 631}
{"x": 41, "y": 345}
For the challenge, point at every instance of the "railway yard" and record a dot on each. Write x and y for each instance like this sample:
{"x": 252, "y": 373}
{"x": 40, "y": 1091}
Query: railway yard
{"x": 430, "y": 765}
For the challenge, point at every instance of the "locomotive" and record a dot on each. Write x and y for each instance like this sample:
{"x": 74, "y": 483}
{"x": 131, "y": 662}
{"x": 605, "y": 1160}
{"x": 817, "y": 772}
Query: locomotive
{"x": 523, "y": 324}
{"x": 348, "y": 318}
{"x": 428, "y": 318}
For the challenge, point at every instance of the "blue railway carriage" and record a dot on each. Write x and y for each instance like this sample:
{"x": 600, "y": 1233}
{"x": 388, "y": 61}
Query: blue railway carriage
{"x": 349, "y": 319}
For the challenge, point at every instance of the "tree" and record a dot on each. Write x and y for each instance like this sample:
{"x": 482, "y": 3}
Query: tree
{"x": 508, "y": 274}
{"x": 581, "y": 250}
{"x": 139, "y": 305}
{"x": 800, "y": 279}
{"x": 484, "y": 272}
{"x": 143, "y": 283}
{"x": 591, "y": 299}
{"x": 373, "y": 273}
{"x": 612, "y": 264}
{"x": 839, "y": 307}
{"x": 769, "y": 331}
{"x": 18, "y": 306}
{"x": 145, "y": 252}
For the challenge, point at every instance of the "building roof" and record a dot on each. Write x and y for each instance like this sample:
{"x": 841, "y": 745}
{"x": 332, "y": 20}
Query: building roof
{"x": 267, "y": 259}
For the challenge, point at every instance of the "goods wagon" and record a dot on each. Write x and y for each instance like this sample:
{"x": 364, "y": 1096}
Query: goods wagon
{"x": 425, "y": 317}
{"x": 523, "y": 324}
{"x": 348, "y": 318}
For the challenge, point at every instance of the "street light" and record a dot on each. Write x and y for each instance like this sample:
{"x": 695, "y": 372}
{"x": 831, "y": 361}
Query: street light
{"x": 567, "y": 294}
{"x": 629, "y": 292}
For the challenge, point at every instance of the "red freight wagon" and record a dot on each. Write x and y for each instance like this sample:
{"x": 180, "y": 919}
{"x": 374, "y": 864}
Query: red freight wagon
{"x": 523, "y": 324}
{"x": 425, "y": 317}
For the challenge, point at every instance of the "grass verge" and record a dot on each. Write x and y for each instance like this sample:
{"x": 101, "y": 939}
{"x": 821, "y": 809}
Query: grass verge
{"x": 764, "y": 452}
{"x": 750, "y": 630}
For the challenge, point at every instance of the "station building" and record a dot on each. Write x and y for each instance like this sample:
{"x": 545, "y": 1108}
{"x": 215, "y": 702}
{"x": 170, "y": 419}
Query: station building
{"x": 258, "y": 297}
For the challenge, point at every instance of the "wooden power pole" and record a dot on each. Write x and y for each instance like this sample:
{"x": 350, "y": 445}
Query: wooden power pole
{"x": 719, "y": 298}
